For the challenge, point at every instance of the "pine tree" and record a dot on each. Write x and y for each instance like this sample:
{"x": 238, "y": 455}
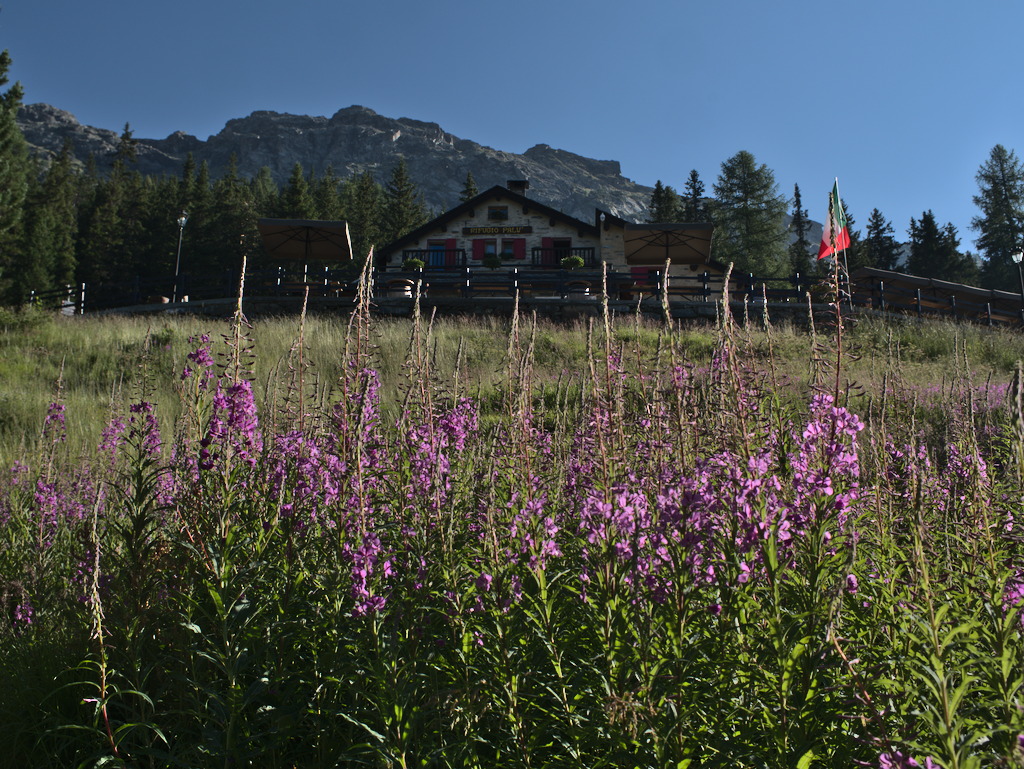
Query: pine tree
{"x": 800, "y": 256}
{"x": 881, "y": 250}
{"x": 1001, "y": 223}
{"x": 694, "y": 209}
{"x": 14, "y": 171}
{"x": 664, "y": 205}
{"x": 403, "y": 209}
{"x": 750, "y": 218}
{"x": 469, "y": 188}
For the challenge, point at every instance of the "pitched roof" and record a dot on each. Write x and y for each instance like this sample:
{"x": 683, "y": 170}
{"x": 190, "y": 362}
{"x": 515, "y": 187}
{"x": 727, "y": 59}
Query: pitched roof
{"x": 494, "y": 193}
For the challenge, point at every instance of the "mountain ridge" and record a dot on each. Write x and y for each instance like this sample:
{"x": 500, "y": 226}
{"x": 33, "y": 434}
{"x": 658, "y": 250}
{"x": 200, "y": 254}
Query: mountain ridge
{"x": 353, "y": 140}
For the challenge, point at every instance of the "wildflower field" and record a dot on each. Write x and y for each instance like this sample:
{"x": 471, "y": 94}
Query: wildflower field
{"x": 685, "y": 551}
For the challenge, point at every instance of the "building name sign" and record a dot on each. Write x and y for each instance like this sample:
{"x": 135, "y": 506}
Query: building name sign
{"x": 524, "y": 230}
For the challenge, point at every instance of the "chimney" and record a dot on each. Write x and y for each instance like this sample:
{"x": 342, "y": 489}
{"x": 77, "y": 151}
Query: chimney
{"x": 519, "y": 186}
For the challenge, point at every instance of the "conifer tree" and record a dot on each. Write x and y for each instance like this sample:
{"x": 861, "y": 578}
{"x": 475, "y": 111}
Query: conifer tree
{"x": 233, "y": 223}
{"x": 800, "y": 256}
{"x": 296, "y": 201}
{"x": 469, "y": 188}
{"x": 265, "y": 193}
{"x": 881, "y": 250}
{"x": 750, "y": 218}
{"x": 46, "y": 257}
{"x": 934, "y": 252}
{"x": 14, "y": 171}
{"x": 664, "y": 205}
{"x": 327, "y": 196}
{"x": 363, "y": 200}
{"x": 403, "y": 208}
{"x": 1000, "y": 225}
{"x": 694, "y": 209}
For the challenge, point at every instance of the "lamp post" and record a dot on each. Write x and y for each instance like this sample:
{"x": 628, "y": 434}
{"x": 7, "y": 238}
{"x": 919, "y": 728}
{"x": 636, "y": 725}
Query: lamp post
{"x": 182, "y": 221}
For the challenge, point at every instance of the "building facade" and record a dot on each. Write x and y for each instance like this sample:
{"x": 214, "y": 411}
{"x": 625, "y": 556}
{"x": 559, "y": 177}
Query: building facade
{"x": 502, "y": 229}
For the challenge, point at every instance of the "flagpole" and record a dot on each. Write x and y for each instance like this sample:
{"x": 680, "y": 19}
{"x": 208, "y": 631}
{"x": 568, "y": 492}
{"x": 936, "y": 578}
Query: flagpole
{"x": 845, "y": 264}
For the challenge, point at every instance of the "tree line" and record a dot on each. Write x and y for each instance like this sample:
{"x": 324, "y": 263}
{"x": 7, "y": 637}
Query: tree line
{"x": 752, "y": 232}
{"x": 63, "y": 225}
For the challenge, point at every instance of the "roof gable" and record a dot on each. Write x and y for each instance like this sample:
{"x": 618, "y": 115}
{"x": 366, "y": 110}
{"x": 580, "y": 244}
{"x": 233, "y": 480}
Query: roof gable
{"x": 494, "y": 194}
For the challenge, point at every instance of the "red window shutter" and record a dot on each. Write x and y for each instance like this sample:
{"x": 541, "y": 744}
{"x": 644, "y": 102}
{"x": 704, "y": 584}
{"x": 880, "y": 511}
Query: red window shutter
{"x": 547, "y": 256}
{"x": 478, "y": 248}
{"x": 450, "y": 257}
{"x": 519, "y": 248}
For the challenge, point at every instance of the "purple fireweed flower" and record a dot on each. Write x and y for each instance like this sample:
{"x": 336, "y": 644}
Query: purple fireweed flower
{"x": 825, "y": 464}
{"x": 201, "y": 359}
{"x": 54, "y": 425}
{"x": 22, "y": 615}
{"x": 1013, "y": 596}
{"x": 535, "y": 530}
{"x": 112, "y": 438}
{"x": 233, "y": 426}
{"x": 851, "y": 584}
{"x": 144, "y": 426}
{"x": 370, "y": 565}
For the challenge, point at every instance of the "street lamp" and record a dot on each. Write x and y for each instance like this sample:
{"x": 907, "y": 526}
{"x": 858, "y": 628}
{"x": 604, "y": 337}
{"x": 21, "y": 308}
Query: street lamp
{"x": 182, "y": 221}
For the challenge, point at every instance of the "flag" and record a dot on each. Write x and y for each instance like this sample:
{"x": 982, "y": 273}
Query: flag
{"x": 836, "y": 234}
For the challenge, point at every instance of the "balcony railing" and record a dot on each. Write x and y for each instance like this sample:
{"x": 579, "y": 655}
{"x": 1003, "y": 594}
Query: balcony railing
{"x": 437, "y": 258}
{"x": 552, "y": 257}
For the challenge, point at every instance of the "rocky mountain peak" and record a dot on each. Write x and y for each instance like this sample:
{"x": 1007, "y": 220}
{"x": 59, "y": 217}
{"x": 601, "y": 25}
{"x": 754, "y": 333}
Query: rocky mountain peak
{"x": 354, "y": 140}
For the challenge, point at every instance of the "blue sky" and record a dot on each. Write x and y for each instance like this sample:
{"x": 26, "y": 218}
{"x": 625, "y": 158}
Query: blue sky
{"x": 902, "y": 100}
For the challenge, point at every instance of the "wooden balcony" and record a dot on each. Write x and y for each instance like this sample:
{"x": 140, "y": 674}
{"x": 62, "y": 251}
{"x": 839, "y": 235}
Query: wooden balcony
{"x": 551, "y": 258}
{"x": 437, "y": 258}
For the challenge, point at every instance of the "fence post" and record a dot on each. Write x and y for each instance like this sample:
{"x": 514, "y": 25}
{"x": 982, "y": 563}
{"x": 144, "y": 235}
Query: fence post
{"x": 988, "y": 312}
{"x": 881, "y": 295}
{"x": 706, "y": 285}
{"x": 952, "y": 305}
{"x": 81, "y": 300}
{"x": 918, "y": 293}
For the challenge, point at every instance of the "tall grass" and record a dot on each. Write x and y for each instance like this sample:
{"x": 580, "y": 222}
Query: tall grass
{"x": 357, "y": 542}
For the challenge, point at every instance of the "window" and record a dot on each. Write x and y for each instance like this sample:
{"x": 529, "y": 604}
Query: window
{"x": 508, "y": 249}
{"x": 490, "y": 247}
{"x": 497, "y": 213}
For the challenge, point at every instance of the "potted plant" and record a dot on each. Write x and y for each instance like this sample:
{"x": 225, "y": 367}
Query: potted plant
{"x": 411, "y": 265}
{"x": 572, "y": 262}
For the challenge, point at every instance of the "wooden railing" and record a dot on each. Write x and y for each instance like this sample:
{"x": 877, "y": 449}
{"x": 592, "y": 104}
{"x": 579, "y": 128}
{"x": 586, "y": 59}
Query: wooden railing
{"x": 886, "y": 292}
{"x": 551, "y": 258}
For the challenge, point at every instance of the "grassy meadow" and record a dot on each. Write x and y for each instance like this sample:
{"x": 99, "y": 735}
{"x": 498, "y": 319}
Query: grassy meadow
{"x": 334, "y": 542}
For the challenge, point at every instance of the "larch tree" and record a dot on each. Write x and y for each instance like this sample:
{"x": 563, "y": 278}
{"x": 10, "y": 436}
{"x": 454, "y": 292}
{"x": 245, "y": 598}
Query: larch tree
{"x": 749, "y": 218}
{"x": 1000, "y": 225}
